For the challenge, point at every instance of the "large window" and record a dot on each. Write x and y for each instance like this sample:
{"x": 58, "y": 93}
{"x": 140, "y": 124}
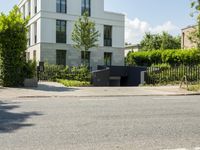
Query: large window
{"x": 61, "y": 6}
{"x": 108, "y": 59}
{"x": 35, "y": 6}
{"x": 86, "y": 7}
{"x": 34, "y": 55}
{"x": 35, "y": 32}
{"x": 61, "y": 57}
{"x": 24, "y": 12}
{"x": 60, "y": 31}
{"x": 85, "y": 58}
{"x": 107, "y": 35}
{"x": 29, "y": 36}
{"x": 29, "y": 8}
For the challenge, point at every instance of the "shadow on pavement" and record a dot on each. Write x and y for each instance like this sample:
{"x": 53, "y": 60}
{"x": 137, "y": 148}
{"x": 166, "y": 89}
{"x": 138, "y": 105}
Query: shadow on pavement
{"x": 51, "y": 88}
{"x": 11, "y": 121}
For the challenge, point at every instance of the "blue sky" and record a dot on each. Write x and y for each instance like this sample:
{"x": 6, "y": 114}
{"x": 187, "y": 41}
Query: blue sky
{"x": 143, "y": 15}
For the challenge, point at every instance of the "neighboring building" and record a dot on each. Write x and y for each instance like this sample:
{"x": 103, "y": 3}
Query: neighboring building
{"x": 131, "y": 48}
{"x": 185, "y": 41}
{"x": 51, "y": 24}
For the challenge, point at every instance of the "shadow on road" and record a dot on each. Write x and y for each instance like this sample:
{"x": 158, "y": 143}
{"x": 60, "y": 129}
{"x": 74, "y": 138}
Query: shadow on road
{"x": 11, "y": 121}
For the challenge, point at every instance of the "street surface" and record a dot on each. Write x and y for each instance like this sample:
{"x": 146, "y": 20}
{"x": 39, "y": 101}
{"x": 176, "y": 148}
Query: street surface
{"x": 102, "y": 123}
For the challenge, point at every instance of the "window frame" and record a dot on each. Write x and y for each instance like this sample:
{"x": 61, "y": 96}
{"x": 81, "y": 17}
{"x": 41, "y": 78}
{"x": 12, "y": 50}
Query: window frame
{"x": 59, "y": 34}
{"x": 88, "y": 57}
{"x": 108, "y": 35}
{"x": 60, "y": 6}
{"x": 61, "y": 57}
{"x": 108, "y": 55}
{"x": 84, "y": 7}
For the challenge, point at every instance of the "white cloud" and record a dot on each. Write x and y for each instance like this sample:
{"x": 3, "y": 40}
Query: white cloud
{"x": 135, "y": 29}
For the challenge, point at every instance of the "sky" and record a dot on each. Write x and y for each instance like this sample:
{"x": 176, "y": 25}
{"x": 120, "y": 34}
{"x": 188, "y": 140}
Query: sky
{"x": 143, "y": 15}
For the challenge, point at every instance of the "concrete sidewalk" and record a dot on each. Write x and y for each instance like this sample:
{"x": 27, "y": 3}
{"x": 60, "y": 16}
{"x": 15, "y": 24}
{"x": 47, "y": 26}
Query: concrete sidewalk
{"x": 51, "y": 89}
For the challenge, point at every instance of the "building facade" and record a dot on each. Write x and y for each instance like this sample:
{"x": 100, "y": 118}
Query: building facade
{"x": 131, "y": 48}
{"x": 185, "y": 41}
{"x": 51, "y": 25}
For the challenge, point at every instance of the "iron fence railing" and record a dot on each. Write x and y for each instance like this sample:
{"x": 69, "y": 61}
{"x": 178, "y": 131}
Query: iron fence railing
{"x": 157, "y": 75}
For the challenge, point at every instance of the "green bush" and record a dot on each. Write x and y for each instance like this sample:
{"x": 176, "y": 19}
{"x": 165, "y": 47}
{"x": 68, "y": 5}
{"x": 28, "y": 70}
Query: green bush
{"x": 13, "y": 43}
{"x": 30, "y": 69}
{"x": 73, "y": 83}
{"x": 54, "y": 72}
{"x": 172, "y": 57}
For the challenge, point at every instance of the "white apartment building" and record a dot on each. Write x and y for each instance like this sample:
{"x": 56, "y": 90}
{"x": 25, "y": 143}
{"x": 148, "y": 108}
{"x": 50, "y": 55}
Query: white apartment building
{"x": 51, "y": 25}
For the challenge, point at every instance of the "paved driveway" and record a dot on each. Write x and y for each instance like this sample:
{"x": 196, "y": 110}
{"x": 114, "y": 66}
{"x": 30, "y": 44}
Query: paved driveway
{"x": 100, "y": 123}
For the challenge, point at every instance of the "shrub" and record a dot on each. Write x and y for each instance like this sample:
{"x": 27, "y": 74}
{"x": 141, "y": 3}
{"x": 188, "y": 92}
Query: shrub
{"x": 172, "y": 57}
{"x": 73, "y": 83}
{"x": 30, "y": 69}
{"x": 54, "y": 72}
{"x": 13, "y": 43}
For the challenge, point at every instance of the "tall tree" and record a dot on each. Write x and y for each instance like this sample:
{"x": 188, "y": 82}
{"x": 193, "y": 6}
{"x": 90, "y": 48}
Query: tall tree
{"x": 85, "y": 36}
{"x": 195, "y": 35}
{"x": 160, "y": 42}
{"x": 13, "y": 43}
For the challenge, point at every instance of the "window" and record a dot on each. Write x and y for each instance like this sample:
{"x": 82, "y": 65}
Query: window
{"x": 107, "y": 35}
{"x": 29, "y": 36}
{"x": 61, "y": 57}
{"x": 61, "y": 6}
{"x": 29, "y": 7}
{"x": 108, "y": 59}
{"x": 24, "y": 13}
{"x": 183, "y": 40}
{"x": 85, "y": 59}
{"x": 35, "y": 32}
{"x": 35, "y": 6}
{"x": 27, "y": 56}
{"x": 34, "y": 55}
{"x": 86, "y": 7}
{"x": 60, "y": 31}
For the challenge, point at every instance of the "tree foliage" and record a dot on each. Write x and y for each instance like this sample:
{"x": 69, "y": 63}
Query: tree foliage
{"x": 85, "y": 35}
{"x": 195, "y": 35}
{"x": 160, "y": 41}
{"x": 13, "y": 43}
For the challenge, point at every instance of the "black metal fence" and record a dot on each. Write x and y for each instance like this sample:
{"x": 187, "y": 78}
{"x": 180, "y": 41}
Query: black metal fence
{"x": 166, "y": 75}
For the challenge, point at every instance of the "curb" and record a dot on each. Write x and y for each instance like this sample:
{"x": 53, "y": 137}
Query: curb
{"x": 56, "y": 96}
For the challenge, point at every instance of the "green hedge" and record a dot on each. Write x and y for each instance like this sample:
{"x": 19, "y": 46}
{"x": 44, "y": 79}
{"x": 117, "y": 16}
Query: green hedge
{"x": 73, "y": 83}
{"x": 54, "y": 72}
{"x": 172, "y": 57}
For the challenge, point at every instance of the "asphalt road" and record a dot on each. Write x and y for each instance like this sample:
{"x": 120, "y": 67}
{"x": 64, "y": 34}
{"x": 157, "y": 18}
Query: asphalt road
{"x": 106, "y": 123}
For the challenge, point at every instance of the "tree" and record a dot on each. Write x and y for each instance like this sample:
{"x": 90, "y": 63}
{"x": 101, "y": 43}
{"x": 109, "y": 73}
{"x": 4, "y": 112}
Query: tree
{"x": 160, "y": 42}
{"x": 195, "y": 35}
{"x": 85, "y": 35}
{"x": 13, "y": 43}
{"x": 170, "y": 42}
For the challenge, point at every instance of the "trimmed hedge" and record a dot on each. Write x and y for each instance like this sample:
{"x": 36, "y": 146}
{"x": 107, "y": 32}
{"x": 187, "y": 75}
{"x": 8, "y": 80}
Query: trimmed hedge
{"x": 54, "y": 72}
{"x": 172, "y": 57}
{"x": 73, "y": 83}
